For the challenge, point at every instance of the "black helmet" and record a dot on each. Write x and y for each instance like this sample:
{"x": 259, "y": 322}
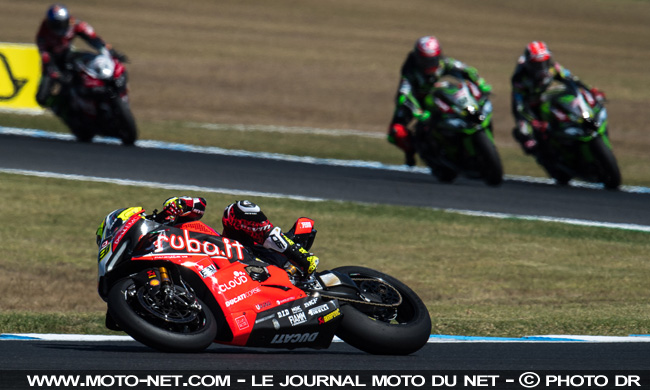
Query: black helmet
{"x": 58, "y": 19}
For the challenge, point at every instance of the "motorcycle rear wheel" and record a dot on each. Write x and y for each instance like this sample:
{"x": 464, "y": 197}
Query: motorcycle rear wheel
{"x": 187, "y": 332}
{"x": 384, "y": 331}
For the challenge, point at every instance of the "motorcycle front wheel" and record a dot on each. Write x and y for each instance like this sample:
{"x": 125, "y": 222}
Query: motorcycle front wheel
{"x": 489, "y": 159}
{"x": 399, "y": 325}
{"x": 179, "y": 322}
{"x": 127, "y": 129}
{"x": 609, "y": 173}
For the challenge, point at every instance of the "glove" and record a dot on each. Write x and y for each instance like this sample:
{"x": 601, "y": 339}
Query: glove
{"x": 472, "y": 72}
{"x": 176, "y": 206}
{"x": 422, "y": 116}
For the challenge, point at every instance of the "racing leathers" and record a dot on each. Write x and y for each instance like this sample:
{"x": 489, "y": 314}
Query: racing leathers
{"x": 530, "y": 130}
{"x": 55, "y": 48}
{"x": 413, "y": 88}
{"x": 245, "y": 222}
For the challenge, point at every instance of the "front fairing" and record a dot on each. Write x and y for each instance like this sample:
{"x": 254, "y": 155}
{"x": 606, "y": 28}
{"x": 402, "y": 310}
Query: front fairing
{"x": 458, "y": 109}
{"x": 118, "y": 234}
{"x": 571, "y": 116}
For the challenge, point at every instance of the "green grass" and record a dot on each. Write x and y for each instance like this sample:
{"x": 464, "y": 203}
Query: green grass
{"x": 477, "y": 276}
{"x": 335, "y": 65}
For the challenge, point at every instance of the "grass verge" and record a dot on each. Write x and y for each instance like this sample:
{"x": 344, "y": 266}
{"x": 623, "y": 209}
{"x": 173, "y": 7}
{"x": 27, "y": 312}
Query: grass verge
{"x": 477, "y": 276}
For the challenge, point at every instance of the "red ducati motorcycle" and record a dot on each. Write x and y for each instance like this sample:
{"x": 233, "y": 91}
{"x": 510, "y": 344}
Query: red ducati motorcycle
{"x": 181, "y": 288}
{"x": 96, "y": 98}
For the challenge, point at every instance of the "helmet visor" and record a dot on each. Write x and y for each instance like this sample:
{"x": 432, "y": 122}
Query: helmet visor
{"x": 59, "y": 27}
{"x": 539, "y": 69}
{"x": 429, "y": 65}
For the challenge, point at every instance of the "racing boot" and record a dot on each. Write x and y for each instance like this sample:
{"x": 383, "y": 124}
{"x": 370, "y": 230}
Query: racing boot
{"x": 298, "y": 256}
{"x": 398, "y": 135}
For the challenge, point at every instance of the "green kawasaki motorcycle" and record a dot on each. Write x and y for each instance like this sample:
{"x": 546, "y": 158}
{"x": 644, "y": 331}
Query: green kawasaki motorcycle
{"x": 457, "y": 137}
{"x": 576, "y": 142}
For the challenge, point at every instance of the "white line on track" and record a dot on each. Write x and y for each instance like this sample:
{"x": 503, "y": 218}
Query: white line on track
{"x": 432, "y": 339}
{"x": 303, "y": 159}
{"x": 287, "y": 130}
{"x": 152, "y": 184}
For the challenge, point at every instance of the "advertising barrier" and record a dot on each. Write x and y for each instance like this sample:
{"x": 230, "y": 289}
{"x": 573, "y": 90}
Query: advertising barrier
{"x": 20, "y": 73}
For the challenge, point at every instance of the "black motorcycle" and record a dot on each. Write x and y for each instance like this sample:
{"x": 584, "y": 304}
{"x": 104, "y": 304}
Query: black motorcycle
{"x": 94, "y": 98}
{"x": 576, "y": 142}
{"x": 457, "y": 138}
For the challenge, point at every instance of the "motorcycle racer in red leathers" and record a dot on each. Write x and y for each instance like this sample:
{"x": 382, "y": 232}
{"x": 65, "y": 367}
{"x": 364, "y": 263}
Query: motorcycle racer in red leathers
{"x": 54, "y": 40}
{"x": 245, "y": 222}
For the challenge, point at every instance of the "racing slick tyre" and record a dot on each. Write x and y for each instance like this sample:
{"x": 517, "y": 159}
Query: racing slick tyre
{"x": 398, "y": 323}
{"x": 609, "y": 173}
{"x": 489, "y": 160}
{"x": 127, "y": 129}
{"x": 170, "y": 325}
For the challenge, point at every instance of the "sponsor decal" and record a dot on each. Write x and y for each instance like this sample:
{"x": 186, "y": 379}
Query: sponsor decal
{"x": 192, "y": 245}
{"x": 263, "y": 305}
{"x": 124, "y": 229}
{"x": 283, "y": 313}
{"x": 285, "y": 300}
{"x": 443, "y": 106}
{"x": 305, "y": 225}
{"x": 208, "y": 271}
{"x": 243, "y": 296}
{"x": 329, "y": 317}
{"x": 153, "y": 278}
{"x": 297, "y": 319}
{"x": 294, "y": 338}
{"x": 104, "y": 249}
{"x": 238, "y": 279}
{"x": 242, "y": 322}
{"x": 310, "y": 303}
{"x": 318, "y": 309}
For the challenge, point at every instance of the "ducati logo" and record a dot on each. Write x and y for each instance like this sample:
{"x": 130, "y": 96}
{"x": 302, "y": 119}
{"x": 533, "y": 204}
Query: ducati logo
{"x": 294, "y": 338}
